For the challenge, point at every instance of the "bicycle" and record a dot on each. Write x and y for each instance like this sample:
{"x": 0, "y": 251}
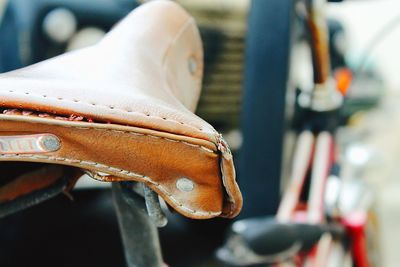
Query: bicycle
{"x": 309, "y": 230}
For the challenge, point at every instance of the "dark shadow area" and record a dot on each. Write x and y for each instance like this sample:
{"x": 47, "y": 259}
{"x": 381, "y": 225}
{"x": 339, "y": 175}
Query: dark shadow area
{"x": 84, "y": 232}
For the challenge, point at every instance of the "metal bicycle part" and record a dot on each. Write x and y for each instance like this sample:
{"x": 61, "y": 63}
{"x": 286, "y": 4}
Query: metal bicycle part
{"x": 33, "y": 199}
{"x": 153, "y": 207}
{"x": 139, "y": 234}
{"x": 266, "y": 240}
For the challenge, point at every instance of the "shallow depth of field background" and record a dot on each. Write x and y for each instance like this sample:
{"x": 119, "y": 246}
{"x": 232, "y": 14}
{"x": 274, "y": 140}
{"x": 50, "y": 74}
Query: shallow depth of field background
{"x": 362, "y": 20}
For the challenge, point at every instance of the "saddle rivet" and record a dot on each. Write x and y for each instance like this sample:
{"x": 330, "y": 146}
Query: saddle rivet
{"x": 192, "y": 65}
{"x": 185, "y": 184}
{"x": 51, "y": 143}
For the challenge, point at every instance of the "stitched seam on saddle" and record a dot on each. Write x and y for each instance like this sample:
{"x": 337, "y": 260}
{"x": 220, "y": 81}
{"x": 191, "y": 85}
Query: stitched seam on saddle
{"x": 131, "y": 133}
{"x": 124, "y": 172}
{"x": 107, "y": 107}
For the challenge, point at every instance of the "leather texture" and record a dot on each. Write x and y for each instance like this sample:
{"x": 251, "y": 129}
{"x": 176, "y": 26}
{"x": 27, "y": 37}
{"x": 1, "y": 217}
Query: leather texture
{"x": 134, "y": 95}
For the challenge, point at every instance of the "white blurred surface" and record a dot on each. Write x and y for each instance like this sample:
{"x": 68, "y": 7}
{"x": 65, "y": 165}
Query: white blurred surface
{"x": 59, "y": 24}
{"x": 363, "y": 19}
{"x": 85, "y": 37}
{"x": 382, "y": 128}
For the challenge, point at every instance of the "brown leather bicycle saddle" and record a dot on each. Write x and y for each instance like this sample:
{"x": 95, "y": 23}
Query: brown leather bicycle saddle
{"x": 121, "y": 110}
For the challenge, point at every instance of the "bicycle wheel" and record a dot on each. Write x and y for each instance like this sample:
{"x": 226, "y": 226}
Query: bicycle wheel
{"x": 265, "y": 109}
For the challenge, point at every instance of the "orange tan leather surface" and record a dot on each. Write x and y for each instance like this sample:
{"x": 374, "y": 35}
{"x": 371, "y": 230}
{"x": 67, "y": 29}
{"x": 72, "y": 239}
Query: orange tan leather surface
{"x": 140, "y": 85}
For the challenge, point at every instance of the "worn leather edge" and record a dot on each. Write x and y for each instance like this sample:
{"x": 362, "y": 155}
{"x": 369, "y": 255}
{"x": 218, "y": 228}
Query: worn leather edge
{"x": 231, "y": 206}
{"x": 120, "y": 174}
{"x": 234, "y": 202}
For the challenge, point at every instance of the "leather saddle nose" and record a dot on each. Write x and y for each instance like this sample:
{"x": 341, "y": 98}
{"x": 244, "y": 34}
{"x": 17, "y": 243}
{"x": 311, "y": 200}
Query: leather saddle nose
{"x": 122, "y": 110}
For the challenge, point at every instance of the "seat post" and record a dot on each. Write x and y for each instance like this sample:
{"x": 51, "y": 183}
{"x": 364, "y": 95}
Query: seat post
{"x": 139, "y": 234}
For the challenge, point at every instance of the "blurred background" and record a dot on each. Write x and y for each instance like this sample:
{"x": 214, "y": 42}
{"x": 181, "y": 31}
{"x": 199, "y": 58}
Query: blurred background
{"x": 364, "y": 21}
{"x": 365, "y": 37}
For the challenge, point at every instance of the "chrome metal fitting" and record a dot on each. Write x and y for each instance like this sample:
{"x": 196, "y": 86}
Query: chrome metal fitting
{"x": 324, "y": 97}
{"x": 185, "y": 184}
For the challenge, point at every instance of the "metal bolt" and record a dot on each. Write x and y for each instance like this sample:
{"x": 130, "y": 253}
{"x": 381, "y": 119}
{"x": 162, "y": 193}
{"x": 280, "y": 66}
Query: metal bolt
{"x": 192, "y": 65}
{"x": 51, "y": 143}
{"x": 185, "y": 184}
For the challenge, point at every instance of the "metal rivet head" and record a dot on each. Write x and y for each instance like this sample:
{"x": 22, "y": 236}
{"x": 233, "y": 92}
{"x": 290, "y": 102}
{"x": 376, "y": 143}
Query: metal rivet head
{"x": 185, "y": 184}
{"x": 51, "y": 143}
{"x": 192, "y": 65}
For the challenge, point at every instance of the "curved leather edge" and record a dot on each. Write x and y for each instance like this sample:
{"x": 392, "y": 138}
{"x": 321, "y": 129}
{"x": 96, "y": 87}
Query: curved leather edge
{"x": 202, "y": 205}
{"x": 233, "y": 202}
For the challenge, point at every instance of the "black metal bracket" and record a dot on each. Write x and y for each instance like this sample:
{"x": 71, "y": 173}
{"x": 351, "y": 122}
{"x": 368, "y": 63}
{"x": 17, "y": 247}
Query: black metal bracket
{"x": 138, "y": 220}
{"x": 34, "y": 198}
